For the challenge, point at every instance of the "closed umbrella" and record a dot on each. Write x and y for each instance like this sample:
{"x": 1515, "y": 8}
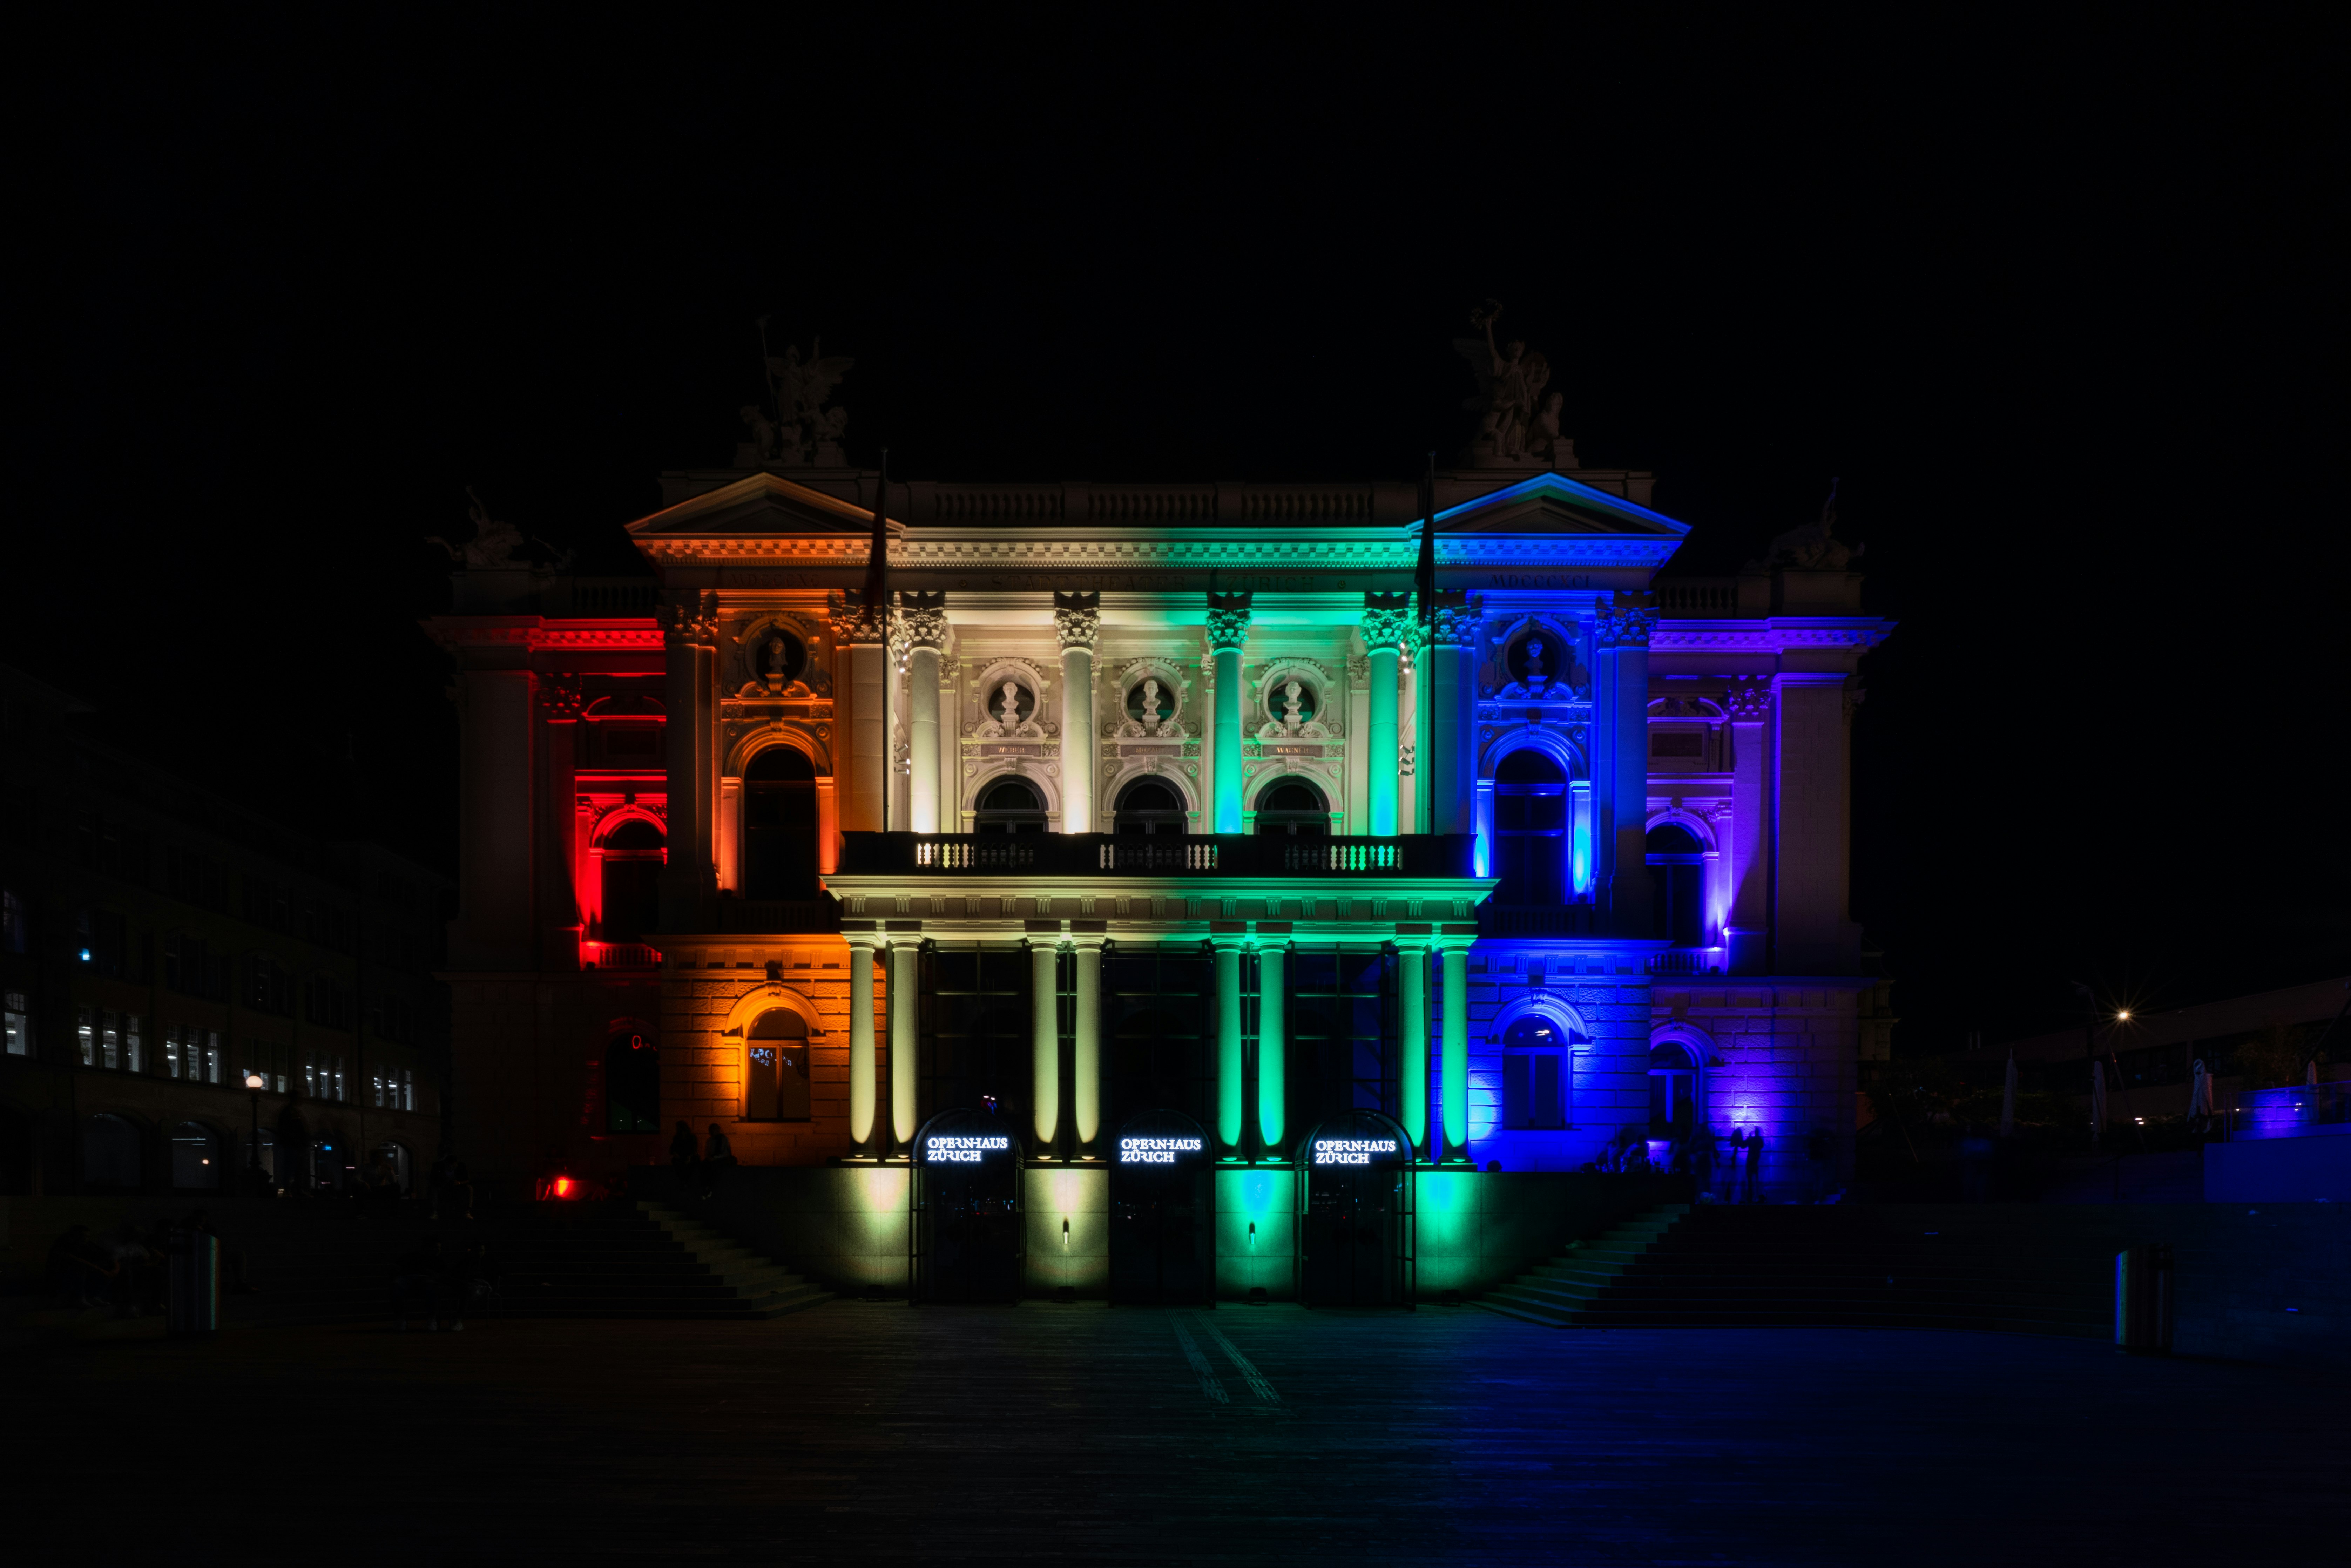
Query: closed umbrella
{"x": 2008, "y": 1097}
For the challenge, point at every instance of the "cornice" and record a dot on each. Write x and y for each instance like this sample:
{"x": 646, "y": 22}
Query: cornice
{"x": 484, "y": 630}
{"x": 1772, "y": 635}
{"x": 1333, "y": 548}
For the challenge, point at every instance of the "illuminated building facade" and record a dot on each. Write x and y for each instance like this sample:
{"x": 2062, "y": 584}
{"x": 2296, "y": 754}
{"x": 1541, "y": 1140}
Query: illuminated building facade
{"x": 1150, "y": 798}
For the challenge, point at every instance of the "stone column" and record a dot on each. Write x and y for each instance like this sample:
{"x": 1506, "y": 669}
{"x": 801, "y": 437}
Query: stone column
{"x": 861, "y": 1082}
{"x": 905, "y": 989}
{"x": 1077, "y": 618}
{"x": 1386, "y": 619}
{"x": 1228, "y": 1041}
{"x": 1228, "y": 622}
{"x": 922, "y": 618}
{"x": 861, "y": 704}
{"x": 1620, "y": 645}
{"x": 1272, "y": 1045}
{"x": 558, "y": 899}
{"x": 1085, "y": 1089}
{"x": 689, "y": 640}
{"x": 1454, "y": 1069}
{"x": 1045, "y": 1041}
{"x": 1413, "y": 959}
{"x": 1452, "y": 768}
{"x": 1746, "y": 931}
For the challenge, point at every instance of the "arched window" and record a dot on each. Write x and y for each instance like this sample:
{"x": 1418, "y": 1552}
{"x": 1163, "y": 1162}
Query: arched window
{"x": 631, "y": 891}
{"x": 1530, "y": 829}
{"x": 1677, "y": 867}
{"x": 1293, "y": 806}
{"x": 110, "y": 1156}
{"x": 1539, "y": 1072}
{"x": 1010, "y": 806}
{"x": 1148, "y": 807}
{"x": 195, "y": 1156}
{"x": 1673, "y": 1087}
{"x": 780, "y": 825}
{"x": 632, "y": 1083}
{"x": 776, "y": 1075}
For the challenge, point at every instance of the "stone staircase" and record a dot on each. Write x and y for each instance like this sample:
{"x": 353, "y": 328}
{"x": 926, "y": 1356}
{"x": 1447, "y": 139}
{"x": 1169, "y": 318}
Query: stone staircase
{"x": 767, "y": 1286}
{"x": 1557, "y": 1293}
{"x": 1894, "y": 1266}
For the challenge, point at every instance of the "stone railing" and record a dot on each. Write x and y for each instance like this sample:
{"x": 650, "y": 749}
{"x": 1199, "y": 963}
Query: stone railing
{"x": 1200, "y": 855}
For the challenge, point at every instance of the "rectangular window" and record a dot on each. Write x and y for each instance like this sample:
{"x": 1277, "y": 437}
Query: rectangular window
{"x": 338, "y": 1079}
{"x": 407, "y": 1090}
{"x": 15, "y": 930}
{"x": 975, "y": 1025}
{"x": 171, "y": 1051}
{"x": 86, "y": 1034}
{"x": 19, "y": 1024}
{"x": 1343, "y": 1034}
{"x": 310, "y": 1080}
{"x": 212, "y": 1057}
{"x": 133, "y": 1059}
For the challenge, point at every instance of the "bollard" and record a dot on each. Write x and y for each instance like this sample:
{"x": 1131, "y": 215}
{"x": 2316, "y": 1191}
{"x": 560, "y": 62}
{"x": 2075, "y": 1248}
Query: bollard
{"x": 2143, "y": 1300}
{"x": 194, "y": 1279}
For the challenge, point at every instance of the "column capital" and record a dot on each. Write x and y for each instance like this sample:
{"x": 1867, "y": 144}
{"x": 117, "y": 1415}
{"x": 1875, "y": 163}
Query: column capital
{"x": 562, "y": 698}
{"x": 871, "y": 941}
{"x": 1086, "y": 941}
{"x": 1456, "y": 614}
{"x": 1228, "y": 621}
{"x": 688, "y": 618}
{"x": 1626, "y": 622}
{"x": 1387, "y": 621}
{"x": 922, "y": 621}
{"x": 1231, "y": 941}
{"x": 1748, "y": 700}
{"x": 1077, "y": 620}
{"x": 855, "y": 623}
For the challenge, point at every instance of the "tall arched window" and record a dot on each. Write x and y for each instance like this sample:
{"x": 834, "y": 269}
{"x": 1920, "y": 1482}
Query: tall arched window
{"x": 633, "y": 863}
{"x": 1148, "y": 808}
{"x": 775, "y": 1072}
{"x": 196, "y": 1159}
{"x": 111, "y": 1156}
{"x": 1677, "y": 867}
{"x": 631, "y": 1082}
{"x": 1530, "y": 829}
{"x": 780, "y": 825}
{"x": 1295, "y": 808}
{"x": 1539, "y": 1072}
{"x": 1673, "y": 1087}
{"x": 1010, "y": 806}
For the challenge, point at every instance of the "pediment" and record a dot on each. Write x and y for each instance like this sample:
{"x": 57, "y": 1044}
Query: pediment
{"x": 758, "y": 505}
{"x": 1552, "y": 504}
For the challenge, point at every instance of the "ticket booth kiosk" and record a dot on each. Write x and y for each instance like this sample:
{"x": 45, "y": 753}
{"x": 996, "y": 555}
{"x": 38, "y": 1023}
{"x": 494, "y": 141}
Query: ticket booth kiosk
{"x": 1356, "y": 1213}
{"x": 1163, "y": 1213}
{"x": 965, "y": 1235}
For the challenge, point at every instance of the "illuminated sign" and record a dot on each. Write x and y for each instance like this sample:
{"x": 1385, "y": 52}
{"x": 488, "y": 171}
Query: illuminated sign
{"x": 944, "y": 1150}
{"x": 1351, "y": 1151}
{"x": 1154, "y": 1151}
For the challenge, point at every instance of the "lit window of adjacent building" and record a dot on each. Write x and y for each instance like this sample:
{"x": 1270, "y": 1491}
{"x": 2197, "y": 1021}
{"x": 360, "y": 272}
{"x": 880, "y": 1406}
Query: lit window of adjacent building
{"x": 15, "y": 930}
{"x": 19, "y": 1023}
{"x": 86, "y": 1034}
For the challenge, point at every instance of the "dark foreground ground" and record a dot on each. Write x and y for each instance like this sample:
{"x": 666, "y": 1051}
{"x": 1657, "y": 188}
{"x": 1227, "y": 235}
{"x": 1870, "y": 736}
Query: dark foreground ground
{"x": 867, "y": 1434}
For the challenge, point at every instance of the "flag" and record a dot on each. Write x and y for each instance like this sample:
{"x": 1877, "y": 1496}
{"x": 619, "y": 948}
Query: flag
{"x": 877, "y": 563}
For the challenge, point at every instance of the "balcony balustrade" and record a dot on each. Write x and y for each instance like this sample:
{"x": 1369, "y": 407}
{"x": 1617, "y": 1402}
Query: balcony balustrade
{"x": 1107, "y": 854}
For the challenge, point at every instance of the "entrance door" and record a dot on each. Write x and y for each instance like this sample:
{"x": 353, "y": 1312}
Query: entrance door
{"x": 1161, "y": 1212}
{"x": 966, "y": 1232}
{"x": 1355, "y": 1231}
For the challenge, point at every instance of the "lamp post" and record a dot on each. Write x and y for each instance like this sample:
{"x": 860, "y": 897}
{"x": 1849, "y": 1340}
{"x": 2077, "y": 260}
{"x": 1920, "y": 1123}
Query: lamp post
{"x": 255, "y": 1083}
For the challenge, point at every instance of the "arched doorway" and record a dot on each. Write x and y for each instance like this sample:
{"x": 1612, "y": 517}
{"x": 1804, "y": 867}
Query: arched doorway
{"x": 967, "y": 1238}
{"x": 1162, "y": 1212}
{"x": 776, "y": 1067}
{"x": 780, "y": 825}
{"x": 1673, "y": 1088}
{"x": 1531, "y": 829}
{"x": 1295, "y": 808}
{"x": 110, "y": 1158}
{"x": 196, "y": 1158}
{"x": 631, "y": 1082}
{"x": 1009, "y": 806}
{"x": 1676, "y": 870}
{"x": 1355, "y": 1219}
{"x": 632, "y": 855}
{"x": 1148, "y": 808}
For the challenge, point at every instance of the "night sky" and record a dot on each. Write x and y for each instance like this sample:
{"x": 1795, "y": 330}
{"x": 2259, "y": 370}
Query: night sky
{"x": 2060, "y": 308}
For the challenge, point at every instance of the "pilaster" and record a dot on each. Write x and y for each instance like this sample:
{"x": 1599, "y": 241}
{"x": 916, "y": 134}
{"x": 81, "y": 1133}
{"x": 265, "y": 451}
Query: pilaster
{"x": 1228, "y": 622}
{"x": 1620, "y": 645}
{"x": 923, "y": 625}
{"x": 1077, "y": 620}
{"x": 689, "y": 621}
{"x": 1746, "y": 931}
{"x": 1388, "y": 619}
{"x": 1451, "y": 767}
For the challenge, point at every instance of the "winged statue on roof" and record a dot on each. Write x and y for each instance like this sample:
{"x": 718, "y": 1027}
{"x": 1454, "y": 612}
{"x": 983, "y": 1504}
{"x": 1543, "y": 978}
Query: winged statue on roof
{"x": 1517, "y": 426}
{"x": 795, "y": 427}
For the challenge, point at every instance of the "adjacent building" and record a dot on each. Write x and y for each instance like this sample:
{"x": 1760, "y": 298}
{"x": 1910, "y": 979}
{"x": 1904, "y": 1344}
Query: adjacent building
{"x": 164, "y": 948}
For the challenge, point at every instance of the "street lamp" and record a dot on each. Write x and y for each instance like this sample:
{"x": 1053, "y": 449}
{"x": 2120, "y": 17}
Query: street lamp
{"x": 255, "y": 1083}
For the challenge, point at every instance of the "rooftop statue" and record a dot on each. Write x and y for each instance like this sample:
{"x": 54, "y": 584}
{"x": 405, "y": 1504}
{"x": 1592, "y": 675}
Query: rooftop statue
{"x": 1516, "y": 428}
{"x": 795, "y": 428}
{"x": 1814, "y": 546}
{"x": 493, "y": 543}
